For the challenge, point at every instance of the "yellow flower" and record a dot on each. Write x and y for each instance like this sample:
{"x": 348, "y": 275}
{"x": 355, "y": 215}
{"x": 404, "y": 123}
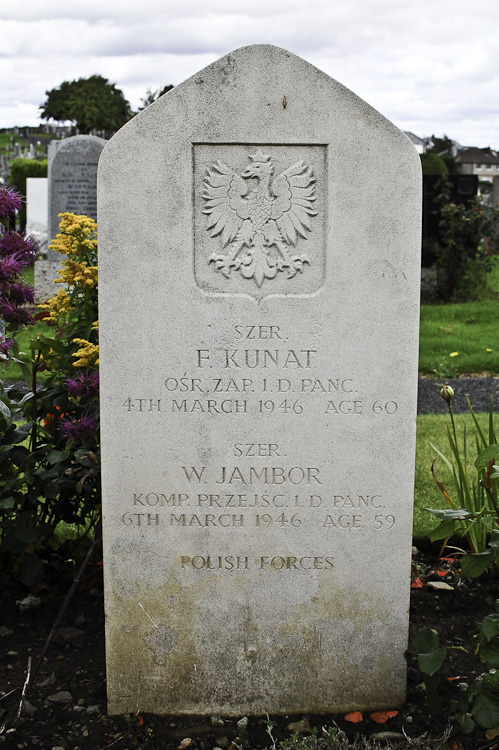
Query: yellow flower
{"x": 88, "y": 354}
{"x": 488, "y": 350}
{"x": 57, "y": 306}
{"x": 77, "y": 274}
{"x": 454, "y": 354}
{"x": 77, "y": 232}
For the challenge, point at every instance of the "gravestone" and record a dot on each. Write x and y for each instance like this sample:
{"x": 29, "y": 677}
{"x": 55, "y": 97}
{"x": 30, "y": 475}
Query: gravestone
{"x": 259, "y": 254}
{"x": 72, "y": 175}
{"x": 72, "y": 187}
{"x": 36, "y": 207}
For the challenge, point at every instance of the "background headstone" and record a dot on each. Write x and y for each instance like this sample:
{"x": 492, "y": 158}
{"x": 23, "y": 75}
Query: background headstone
{"x": 259, "y": 265}
{"x": 36, "y": 207}
{"x": 72, "y": 187}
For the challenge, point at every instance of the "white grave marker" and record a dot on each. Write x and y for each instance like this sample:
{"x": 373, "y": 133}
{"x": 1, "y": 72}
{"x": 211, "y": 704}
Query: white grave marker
{"x": 259, "y": 240}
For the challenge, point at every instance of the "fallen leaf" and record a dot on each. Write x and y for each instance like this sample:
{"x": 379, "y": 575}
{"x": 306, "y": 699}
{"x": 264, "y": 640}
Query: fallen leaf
{"x": 452, "y": 679}
{"x": 417, "y": 584}
{"x": 139, "y": 719}
{"x": 491, "y": 734}
{"x": 442, "y": 572}
{"x": 381, "y": 716}
{"x": 354, "y": 717}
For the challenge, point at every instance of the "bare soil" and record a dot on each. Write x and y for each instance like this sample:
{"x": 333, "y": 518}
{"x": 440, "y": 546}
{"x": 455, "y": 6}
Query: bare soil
{"x": 67, "y": 698}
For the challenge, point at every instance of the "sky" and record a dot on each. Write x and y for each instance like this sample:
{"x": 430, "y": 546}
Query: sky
{"x": 432, "y": 67}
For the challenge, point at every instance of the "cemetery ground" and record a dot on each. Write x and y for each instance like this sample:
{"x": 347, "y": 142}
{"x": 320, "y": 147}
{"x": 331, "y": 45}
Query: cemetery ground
{"x": 66, "y": 705}
{"x": 67, "y": 699}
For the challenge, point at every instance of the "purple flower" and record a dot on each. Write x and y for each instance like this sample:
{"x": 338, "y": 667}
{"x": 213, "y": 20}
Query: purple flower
{"x": 11, "y": 266}
{"x": 21, "y": 293}
{"x": 84, "y": 384}
{"x": 11, "y": 312}
{"x": 6, "y": 346}
{"x": 80, "y": 430}
{"x": 13, "y": 243}
{"x": 10, "y": 200}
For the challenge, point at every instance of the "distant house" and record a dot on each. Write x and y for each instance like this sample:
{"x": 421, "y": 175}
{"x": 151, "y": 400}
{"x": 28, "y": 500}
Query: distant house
{"x": 421, "y": 144}
{"x": 483, "y": 162}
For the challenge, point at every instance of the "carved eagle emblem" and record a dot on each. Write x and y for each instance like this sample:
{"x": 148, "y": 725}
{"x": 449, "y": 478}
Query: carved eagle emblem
{"x": 259, "y": 217}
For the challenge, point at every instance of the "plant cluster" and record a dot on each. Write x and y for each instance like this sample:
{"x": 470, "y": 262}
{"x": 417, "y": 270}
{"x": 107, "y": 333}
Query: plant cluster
{"x": 473, "y": 502}
{"x": 479, "y": 702}
{"x": 468, "y": 240}
{"x": 49, "y": 454}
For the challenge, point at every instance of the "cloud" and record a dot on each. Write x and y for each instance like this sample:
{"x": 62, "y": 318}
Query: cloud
{"x": 430, "y": 67}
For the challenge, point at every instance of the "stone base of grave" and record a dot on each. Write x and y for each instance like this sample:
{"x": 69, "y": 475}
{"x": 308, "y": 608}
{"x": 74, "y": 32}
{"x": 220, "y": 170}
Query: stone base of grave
{"x": 45, "y": 273}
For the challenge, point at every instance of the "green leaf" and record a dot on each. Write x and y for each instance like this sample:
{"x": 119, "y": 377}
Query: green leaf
{"x": 444, "y": 530}
{"x": 486, "y": 709}
{"x": 444, "y": 459}
{"x": 487, "y": 455}
{"x": 466, "y": 722}
{"x": 474, "y": 564}
{"x": 7, "y": 502}
{"x": 426, "y": 640}
{"x": 449, "y": 514}
{"x": 494, "y": 540}
{"x": 55, "y": 457}
{"x": 430, "y": 662}
{"x": 19, "y": 434}
{"x": 430, "y": 656}
{"x": 489, "y": 653}
{"x": 5, "y": 416}
{"x": 490, "y": 626}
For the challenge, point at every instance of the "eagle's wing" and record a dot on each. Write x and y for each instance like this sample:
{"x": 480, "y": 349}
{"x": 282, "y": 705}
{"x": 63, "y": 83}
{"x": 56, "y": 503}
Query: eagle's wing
{"x": 294, "y": 191}
{"x": 224, "y": 192}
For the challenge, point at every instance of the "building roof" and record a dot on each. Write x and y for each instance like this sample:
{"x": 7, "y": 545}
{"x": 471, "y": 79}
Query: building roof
{"x": 473, "y": 155}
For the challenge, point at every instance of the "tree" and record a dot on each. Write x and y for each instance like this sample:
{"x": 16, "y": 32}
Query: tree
{"x": 93, "y": 104}
{"x": 151, "y": 96}
{"x": 441, "y": 145}
{"x": 443, "y": 148}
{"x": 433, "y": 164}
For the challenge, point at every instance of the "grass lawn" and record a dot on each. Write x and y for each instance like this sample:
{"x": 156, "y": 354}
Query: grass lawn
{"x": 431, "y": 429}
{"x": 468, "y": 331}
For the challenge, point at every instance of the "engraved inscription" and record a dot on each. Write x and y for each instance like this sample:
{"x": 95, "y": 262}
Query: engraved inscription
{"x": 264, "y": 562}
{"x": 259, "y": 218}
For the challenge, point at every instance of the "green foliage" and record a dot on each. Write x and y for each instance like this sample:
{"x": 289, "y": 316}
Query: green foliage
{"x": 473, "y": 509}
{"x": 467, "y": 242}
{"x": 480, "y": 702}
{"x": 20, "y": 170}
{"x": 92, "y": 104}
{"x": 433, "y": 164}
{"x": 440, "y": 145}
{"x": 49, "y": 441}
{"x": 153, "y": 95}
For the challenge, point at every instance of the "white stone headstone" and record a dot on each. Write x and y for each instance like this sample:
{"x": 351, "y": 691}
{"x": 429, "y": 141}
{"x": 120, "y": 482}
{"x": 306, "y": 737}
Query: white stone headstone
{"x": 36, "y": 205}
{"x": 259, "y": 261}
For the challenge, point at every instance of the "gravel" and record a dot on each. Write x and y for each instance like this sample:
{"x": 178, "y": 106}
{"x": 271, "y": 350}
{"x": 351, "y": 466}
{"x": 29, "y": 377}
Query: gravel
{"x": 478, "y": 389}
